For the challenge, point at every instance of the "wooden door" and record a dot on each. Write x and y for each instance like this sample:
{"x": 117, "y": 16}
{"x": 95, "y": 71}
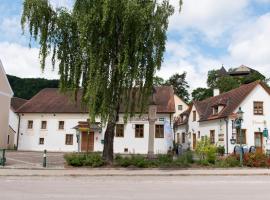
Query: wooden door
{"x": 194, "y": 139}
{"x": 258, "y": 138}
{"x": 87, "y": 141}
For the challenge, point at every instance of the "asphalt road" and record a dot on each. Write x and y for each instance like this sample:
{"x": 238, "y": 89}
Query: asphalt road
{"x": 137, "y": 188}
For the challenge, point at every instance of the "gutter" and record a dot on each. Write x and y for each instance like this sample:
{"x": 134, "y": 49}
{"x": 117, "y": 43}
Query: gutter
{"x": 227, "y": 135}
{"x": 18, "y": 131}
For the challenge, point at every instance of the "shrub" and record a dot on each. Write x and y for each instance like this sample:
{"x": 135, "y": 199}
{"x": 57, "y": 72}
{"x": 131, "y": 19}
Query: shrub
{"x": 184, "y": 160}
{"x": 255, "y": 160}
{"x": 206, "y": 151}
{"x": 229, "y": 161}
{"x": 93, "y": 160}
{"x": 82, "y": 159}
{"x": 221, "y": 150}
{"x": 74, "y": 159}
{"x": 135, "y": 160}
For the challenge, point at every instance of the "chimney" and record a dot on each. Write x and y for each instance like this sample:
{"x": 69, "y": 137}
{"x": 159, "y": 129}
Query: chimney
{"x": 216, "y": 92}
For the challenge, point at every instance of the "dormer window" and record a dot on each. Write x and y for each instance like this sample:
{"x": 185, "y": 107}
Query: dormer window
{"x": 215, "y": 110}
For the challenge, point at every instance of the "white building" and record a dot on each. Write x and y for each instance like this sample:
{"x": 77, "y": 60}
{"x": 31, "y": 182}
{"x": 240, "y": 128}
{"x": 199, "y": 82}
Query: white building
{"x": 5, "y": 95}
{"x": 14, "y": 121}
{"x": 215, "y": 117}
{"x": 51, "y": 121}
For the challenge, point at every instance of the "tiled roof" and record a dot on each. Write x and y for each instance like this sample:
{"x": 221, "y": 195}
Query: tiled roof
{"x": 230, "y": 100}
{"x": 178, "y": 121}
{"x": 17, "y": 102}
{"x": 50, "y": 100}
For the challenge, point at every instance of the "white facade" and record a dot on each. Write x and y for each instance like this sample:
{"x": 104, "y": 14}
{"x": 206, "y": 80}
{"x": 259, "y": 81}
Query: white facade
{"x": 223, "y": 128}
{"x": 13, "y": 124}
{"x": 180, "y": 105}
{"x": 55, "y": 139}
{"x": 5, "y": 96}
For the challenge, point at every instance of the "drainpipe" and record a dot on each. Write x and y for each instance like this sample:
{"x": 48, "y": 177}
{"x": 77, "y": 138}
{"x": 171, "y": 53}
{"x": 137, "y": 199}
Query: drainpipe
{"x": 18, "y": 131}
{"x": 227, "y": 135}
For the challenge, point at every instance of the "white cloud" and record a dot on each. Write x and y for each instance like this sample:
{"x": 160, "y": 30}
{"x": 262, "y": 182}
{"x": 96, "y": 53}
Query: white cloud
{"x": 210, "y": 17}
{"x": 23, "y": 62}
{"x": 250, "y": 44}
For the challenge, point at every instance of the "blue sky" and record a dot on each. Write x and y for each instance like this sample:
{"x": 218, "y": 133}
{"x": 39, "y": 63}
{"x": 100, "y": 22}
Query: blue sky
{"x": 205, "y": 35}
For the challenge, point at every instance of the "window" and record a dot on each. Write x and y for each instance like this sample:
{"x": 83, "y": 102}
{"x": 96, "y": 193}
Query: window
{"x": 244, "y": 141}
{"x": 139, "y": 130}
{"x": 43, "y": 124}
{"x": 194, "y": 115}
{"x": 30, "y": 124}
{"x": 258, "y": 108}
{"x": 61, "y": 125}
{"x": 183, "y": 138}
{"x": 119, "y": 130}
{"x": 215, "y": 110}
{"x": 69, "y": 139}
{"x": 8, "y": 139}
{"x": 41, "y": 141}
{"x": 199, "y": 134}
{"x": 212, "y": 137}
{"x": 159, "y": 131}
{"x": 180, "y": 107}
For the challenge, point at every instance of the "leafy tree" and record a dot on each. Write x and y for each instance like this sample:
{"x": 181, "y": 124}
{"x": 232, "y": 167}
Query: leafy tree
{"x": 212, "y": 79}
{"x": 180, "y": 85}
{"x": 200, "y": 94}
{"x": 108, "y": 46}
{"x": 158, "y": 81}
{"x": 227, "y": 83}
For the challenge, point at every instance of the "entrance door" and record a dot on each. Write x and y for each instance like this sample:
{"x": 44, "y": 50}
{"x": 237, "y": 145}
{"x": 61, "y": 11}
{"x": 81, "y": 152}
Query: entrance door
{"x": 87, "y": 141}
{"x": 194, "y": 140}
{"x": 258, "y": 142}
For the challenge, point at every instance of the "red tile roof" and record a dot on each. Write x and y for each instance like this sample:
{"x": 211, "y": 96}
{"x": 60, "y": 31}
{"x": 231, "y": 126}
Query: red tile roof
{"x": 17, "y": 102}
{"x": 50, "y": 100}
{"x": 230, "y": 100}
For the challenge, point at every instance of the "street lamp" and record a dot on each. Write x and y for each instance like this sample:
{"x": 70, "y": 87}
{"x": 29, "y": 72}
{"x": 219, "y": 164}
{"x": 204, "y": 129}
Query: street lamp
{"x": 239, "y": 120}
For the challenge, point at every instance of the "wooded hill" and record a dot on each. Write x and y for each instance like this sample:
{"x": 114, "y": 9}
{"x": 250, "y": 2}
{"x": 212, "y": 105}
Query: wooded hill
{"x": 26, "y": 88}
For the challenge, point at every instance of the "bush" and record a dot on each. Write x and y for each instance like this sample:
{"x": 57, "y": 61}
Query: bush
{"x": 206, "y": 151}
{"x": 221, "y": 150}
{"x": 82, "y": 159}
{"x": 229, "y": 161}
{"x": 184, "y": 160}
{"x": 74, "y": 159}
{"x": 135, "y": 160}
{"x": 255, "y": 160}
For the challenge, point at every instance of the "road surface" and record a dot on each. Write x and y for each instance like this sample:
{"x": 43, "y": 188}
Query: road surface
{"x": 137, "y": 188}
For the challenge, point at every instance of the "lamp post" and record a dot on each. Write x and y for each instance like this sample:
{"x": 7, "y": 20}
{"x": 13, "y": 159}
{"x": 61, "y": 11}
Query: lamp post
{"x": 239, "y": 120}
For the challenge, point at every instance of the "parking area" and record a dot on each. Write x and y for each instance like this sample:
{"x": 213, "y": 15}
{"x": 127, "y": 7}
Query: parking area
{"x": 23, "y": 159}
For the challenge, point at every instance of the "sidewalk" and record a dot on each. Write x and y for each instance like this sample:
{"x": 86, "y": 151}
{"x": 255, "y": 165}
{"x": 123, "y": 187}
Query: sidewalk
{"x": 131, "y": 172}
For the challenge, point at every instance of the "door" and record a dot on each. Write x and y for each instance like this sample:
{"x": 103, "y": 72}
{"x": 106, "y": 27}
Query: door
{"x": 194, "y": 141}
{"x": 258, "y": 142}
{"x": 87, "y": 141}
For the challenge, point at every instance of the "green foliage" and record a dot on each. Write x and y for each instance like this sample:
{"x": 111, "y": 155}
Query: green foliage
{"x": 200, "y": 94}
{"x": 158, "y": 81}
{"x": 180, "y": 85}
{"x": 82, "y": 159}
{"x": 110, "y": 45}
{"x": 132, "y": 161}
{"x": 161, "y": 161}
{"x": 104, "y": 47}
{"x": 212, "y": 79}
{"x": 221, "y": 150}
{"x": 206, "y": 151}
{"x": 227, "y": 83}
{"x": 26, "y": 88}
{"x": 229, "y": 161}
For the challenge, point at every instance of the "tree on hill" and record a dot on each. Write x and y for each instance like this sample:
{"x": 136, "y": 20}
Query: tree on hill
{"x": 180, "y": 85}
{"x": 26, "y": 88}
{"x": 110, "y": 46}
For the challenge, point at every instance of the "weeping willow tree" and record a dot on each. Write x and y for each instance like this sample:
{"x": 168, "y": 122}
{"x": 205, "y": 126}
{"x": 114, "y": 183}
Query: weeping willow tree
{"x": 104, "y": 47}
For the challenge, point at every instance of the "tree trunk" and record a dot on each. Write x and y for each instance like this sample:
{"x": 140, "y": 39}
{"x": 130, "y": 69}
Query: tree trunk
{"x": 108, "y": 143}
{"x": 108, "y": 139}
